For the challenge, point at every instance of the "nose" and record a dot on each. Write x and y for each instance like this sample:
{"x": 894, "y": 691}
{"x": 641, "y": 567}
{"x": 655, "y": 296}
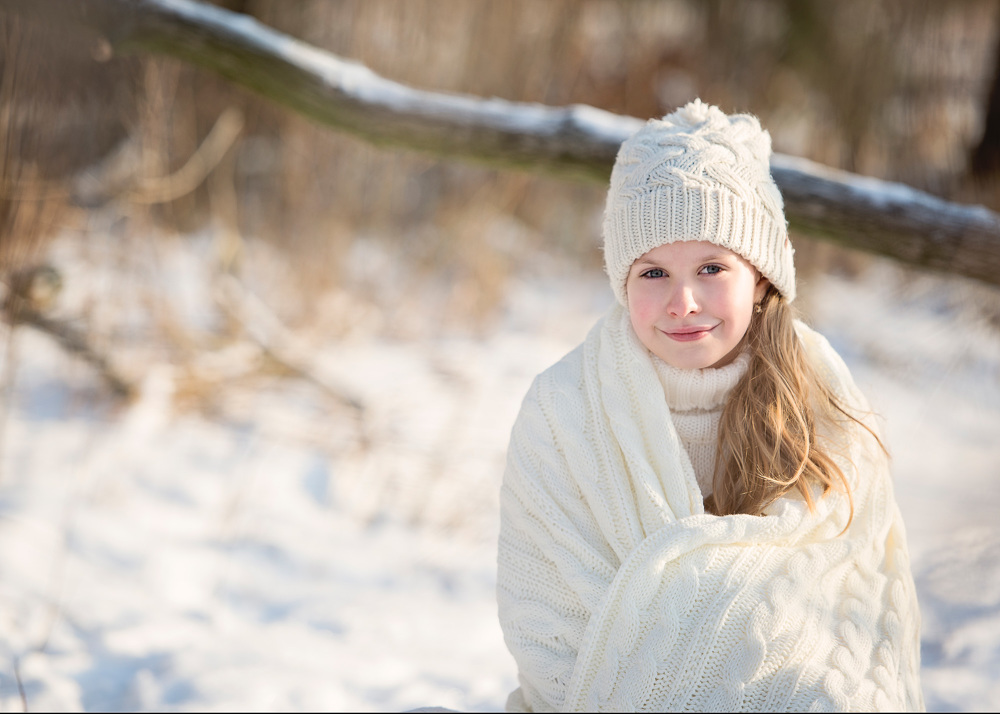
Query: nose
{"x": 681, "y": 301}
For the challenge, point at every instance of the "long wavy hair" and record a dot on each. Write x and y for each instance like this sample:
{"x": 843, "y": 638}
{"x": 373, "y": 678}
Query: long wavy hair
{"x": 769, "y": 432}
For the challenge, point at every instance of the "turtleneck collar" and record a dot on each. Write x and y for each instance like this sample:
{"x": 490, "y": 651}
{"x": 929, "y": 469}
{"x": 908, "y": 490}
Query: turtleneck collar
{"x": 688, "y": 389}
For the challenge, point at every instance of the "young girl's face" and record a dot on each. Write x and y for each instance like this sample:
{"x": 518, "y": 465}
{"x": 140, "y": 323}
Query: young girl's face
{"x": 691, "y": 302}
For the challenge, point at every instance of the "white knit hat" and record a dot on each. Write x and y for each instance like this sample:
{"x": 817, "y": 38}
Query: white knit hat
{"x": 697, "y": 174}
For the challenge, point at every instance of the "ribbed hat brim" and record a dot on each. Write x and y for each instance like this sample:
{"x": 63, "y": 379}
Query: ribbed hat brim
{"x": 637, "y": 224}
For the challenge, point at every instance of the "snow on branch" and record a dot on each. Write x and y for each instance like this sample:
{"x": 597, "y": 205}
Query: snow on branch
{"x": 577, "y": 141}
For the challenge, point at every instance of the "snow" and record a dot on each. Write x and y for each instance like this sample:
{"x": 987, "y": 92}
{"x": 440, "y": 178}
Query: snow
{"x": 279, "y": 554}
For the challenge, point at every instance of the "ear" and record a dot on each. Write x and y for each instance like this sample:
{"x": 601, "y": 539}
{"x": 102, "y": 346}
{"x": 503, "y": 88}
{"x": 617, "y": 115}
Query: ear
{"x": 760, "y": 289}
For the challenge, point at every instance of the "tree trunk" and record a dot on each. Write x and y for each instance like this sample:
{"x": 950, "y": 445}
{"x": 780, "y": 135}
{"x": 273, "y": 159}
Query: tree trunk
{"x": 984, "y": 161}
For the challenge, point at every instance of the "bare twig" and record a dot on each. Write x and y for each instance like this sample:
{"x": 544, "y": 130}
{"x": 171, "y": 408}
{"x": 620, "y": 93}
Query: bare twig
{"x": 115, "y": 176}
{"x": 197, "y": 168}
{"x": 264, "y": 327}
{"x": 17, "y": 312}
{"x": 20, "y": 684}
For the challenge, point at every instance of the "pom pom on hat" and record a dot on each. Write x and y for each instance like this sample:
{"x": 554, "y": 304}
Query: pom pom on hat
{"x": 697, "y": 174}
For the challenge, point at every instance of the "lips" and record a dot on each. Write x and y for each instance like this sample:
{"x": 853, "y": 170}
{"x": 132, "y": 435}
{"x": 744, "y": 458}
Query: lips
{"x": 689, "y": 334}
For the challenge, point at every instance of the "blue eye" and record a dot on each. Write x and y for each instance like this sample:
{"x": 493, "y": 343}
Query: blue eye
{"x": 655, "y": 273}
{"x": 712, "y": 269}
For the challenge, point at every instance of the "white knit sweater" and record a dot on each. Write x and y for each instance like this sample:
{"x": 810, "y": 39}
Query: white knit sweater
{"x": 617, "y": 592}
{"x": 696, "y": 398}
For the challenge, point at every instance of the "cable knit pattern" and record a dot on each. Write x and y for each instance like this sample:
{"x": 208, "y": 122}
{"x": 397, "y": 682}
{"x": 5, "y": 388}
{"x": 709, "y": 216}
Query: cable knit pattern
{"x": 696, "y": 398}
{"x": 697, "y": 174}
{"x": 617, "y": 592}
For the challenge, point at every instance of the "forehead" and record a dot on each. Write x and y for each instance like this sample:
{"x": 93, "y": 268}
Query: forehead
{"x": 687, "y": 251}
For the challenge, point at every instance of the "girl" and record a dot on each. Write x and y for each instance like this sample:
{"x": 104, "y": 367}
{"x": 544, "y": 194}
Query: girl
{"x": 697, "y": 512}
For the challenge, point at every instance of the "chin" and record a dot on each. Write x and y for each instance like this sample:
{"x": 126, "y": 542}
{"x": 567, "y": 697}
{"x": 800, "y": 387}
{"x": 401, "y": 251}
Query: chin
{"x": 691, "y": 361}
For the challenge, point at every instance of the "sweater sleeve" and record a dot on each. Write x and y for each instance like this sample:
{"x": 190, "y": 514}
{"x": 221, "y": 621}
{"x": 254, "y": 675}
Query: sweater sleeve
{"x": 551, "y": 565}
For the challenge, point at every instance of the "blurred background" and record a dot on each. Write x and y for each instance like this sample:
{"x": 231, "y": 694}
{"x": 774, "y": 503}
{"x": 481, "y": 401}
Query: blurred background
{"x": 258, "y": 376}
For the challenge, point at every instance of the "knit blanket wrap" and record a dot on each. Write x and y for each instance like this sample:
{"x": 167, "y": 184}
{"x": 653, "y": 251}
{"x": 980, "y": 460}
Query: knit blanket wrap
{"x": 617, "y": 592}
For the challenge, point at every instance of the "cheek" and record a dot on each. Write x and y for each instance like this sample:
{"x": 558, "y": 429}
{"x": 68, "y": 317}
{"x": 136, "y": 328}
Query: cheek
{"x": 642, "y": 306}
{"x": 735, "y": 299}
{"x": 739, "y": 311}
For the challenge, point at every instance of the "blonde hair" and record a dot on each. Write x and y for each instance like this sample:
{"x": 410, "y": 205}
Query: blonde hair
{"x": 768, "y": 434}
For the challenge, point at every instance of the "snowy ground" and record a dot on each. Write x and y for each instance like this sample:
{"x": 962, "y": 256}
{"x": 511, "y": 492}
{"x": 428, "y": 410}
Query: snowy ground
{"x": 284, "y": 555}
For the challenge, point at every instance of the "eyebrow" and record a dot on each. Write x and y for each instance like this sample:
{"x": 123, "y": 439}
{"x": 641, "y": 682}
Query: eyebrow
{"x": 707, "y": 258}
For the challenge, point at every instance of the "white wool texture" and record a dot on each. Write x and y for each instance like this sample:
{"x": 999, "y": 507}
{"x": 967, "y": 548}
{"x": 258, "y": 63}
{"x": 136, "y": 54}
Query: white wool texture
{"x": 696, "y": 398}
{"x": 617, "y": 592}
{"x": 697, "y": 175}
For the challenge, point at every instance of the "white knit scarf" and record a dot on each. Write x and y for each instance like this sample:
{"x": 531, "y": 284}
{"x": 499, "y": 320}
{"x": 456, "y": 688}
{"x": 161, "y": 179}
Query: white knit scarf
{"x": 617, "y": 592}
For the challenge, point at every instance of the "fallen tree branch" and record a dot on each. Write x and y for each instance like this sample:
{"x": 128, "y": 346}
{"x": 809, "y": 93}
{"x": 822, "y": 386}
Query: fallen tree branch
{"x": 575, "y": 142}
{"x": 890, "y": 219}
